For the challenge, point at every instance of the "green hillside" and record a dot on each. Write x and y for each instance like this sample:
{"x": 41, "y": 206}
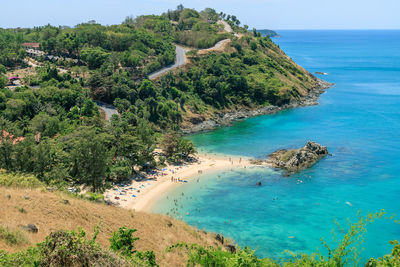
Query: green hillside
{"x": 52, "y": 127}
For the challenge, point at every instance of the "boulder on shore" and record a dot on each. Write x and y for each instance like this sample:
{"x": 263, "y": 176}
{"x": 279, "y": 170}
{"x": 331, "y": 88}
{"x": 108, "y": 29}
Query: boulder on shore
{"x": 295, "y": 160}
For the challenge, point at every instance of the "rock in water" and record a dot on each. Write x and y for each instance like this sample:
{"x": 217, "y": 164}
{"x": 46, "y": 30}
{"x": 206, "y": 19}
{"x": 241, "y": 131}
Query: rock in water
{"x": 295, "y": 160}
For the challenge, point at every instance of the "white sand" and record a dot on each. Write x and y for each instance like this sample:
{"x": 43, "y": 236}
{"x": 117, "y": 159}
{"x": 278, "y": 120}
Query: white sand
{"x": 151, "y": 190}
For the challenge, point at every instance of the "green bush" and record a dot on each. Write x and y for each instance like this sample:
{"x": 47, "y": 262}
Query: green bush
{"x": 12, "y": 237}
{"x": 122, "y": 241}
{"x": 392, "y": 259}
{"x": 200, "y": 256}
{"x": 31, "y": 257}
{"x": 19, "y": 180}
{"x": 70, "y": 248}
{"x": 93, "y": 196}
{"x": 64, "y": 248}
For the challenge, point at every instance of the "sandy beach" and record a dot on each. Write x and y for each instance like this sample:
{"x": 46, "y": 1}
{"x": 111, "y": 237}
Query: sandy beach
{"x": 141, "y": 195}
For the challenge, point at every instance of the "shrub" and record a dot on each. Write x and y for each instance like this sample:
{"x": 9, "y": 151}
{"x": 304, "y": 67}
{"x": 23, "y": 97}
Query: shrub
{"x": 69, "y": 248}
{"x": 94, "y": 196}
{"x": 122, "y": 241}
{"x": 12, "y": 237}
{"x": 29, "y": 258}
{"x": 392, "y": 259}
{"x": 19, "y": 180}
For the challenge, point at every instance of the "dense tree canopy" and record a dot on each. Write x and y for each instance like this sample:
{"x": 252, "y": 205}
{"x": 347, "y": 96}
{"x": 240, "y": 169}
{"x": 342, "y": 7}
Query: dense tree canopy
{"x": 55, "y": 130}
{"x": 11, "y": 51}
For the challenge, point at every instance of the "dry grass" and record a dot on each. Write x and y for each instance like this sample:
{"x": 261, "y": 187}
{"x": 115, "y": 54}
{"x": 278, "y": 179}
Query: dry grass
{"x": 22, "y": 72}
{"x": 49, "y": 213}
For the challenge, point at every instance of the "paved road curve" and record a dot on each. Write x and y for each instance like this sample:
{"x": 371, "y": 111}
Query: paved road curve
{"x": 180, "y": 53}
{"x": 179, "y": 61}
{"x": 109, "y": 110}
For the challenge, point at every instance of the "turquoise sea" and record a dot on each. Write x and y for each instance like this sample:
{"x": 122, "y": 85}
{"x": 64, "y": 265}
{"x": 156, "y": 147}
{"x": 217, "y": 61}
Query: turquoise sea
{"x": 358, "y": 120}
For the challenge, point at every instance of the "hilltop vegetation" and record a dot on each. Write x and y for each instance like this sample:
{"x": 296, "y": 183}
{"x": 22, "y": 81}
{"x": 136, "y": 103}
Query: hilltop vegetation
{"x": 57, "y": 133}
{"x": 55, "y": 130}
{"x": 11, "y": 51}
{"x": 134, "y": 48}
{"x": 53, "y": 135}
{"x": 252, "y": 72}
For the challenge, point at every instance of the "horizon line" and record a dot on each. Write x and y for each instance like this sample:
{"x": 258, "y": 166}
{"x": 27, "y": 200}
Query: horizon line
{"x": 333, "y": 29}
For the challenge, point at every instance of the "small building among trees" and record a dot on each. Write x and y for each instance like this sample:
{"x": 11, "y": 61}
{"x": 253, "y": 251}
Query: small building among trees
{"x": 33, "y": 46}
{"x": 12, "y": 79}
{"x": 32, "y": 49}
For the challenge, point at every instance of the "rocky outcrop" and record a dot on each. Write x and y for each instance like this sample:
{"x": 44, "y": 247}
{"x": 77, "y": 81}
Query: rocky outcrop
{"x": 220, "y": 238}
{"x": 295, "y": 160}
{"x": 30, "y": 228}
{"x": 228, "y": 245}
{"x": 227, "y": 118}
{"x": 231, "y": 248}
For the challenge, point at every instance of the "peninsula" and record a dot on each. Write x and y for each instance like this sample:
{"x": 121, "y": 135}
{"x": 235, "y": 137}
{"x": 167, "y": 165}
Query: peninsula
{"x": 92, "y": 132}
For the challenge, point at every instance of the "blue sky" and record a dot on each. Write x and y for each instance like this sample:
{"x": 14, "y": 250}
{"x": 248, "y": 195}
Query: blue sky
{"x": 270, "y": 14}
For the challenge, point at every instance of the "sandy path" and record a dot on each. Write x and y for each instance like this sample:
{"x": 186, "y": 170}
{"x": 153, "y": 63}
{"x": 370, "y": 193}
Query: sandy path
{"x": 151, "y": 189}
{"x": 220, "y": 46}
{"x": 227, "y": 27}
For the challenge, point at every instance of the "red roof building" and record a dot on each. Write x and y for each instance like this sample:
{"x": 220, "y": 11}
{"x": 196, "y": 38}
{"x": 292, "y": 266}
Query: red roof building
{"x": 6, "y": 135}
{"x": 31, "y": 45}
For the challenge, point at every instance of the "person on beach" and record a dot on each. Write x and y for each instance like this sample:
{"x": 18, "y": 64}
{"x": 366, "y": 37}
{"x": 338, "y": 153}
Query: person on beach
{"x": 240, "y": 160}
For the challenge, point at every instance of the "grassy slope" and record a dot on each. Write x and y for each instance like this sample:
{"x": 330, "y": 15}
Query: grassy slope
{"x": 49, "y": 213}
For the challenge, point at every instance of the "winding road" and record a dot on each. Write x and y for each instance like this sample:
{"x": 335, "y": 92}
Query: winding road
{"x": 180, "y": 53}
{"x": 227, "y": 27}
{"x": 109, "y": 110}
{"x": 180, "y": 60}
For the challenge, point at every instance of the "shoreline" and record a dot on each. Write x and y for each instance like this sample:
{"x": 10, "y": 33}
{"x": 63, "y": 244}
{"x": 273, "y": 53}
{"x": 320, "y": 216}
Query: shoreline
{"x": 142, "y": 195}
{"x": 147, "y": 192}
{"x": 227, "y": 118}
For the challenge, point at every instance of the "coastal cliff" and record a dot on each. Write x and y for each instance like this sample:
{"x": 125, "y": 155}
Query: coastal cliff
{"x": 227, "y": 118}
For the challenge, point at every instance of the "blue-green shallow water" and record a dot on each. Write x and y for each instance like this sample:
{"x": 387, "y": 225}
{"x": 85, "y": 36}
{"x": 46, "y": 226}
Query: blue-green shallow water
{"x": 358, "y": 119}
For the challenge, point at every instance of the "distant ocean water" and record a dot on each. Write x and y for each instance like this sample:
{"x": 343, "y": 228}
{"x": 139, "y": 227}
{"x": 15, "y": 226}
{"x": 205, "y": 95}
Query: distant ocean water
{"x": 358, "y": 120}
